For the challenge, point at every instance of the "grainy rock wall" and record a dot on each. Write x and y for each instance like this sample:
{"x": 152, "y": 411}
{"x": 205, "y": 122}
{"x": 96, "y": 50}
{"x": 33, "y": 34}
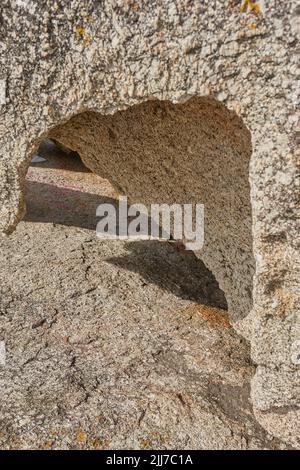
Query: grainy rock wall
{"x": 65, "y": 66}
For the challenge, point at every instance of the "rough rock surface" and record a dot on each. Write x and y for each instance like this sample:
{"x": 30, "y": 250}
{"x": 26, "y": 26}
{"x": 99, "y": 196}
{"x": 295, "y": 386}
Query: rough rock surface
{"x": 110, "y": 344}
{"x": 61, "y": 59}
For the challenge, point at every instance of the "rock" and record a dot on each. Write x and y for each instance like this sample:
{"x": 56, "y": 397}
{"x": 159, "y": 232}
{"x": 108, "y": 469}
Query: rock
{"x": 113, "y": 82}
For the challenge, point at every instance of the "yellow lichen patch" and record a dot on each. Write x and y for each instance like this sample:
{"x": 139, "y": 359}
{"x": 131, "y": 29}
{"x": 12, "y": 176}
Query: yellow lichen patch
{"x": 253, "y": 6}
{"x": 252, "y": 25}
{"x": 80, "y": 31}
{"x": 47, "y": 445}
{"x": 144, "y": 442}
{"x": 80, "y": 436}
{"x": 81, "y": 34}
{"x": 214, "y": 316}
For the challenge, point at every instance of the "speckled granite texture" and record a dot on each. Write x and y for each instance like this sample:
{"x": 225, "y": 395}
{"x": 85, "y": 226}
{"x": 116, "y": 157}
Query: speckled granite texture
{"x": 65, "y": 65}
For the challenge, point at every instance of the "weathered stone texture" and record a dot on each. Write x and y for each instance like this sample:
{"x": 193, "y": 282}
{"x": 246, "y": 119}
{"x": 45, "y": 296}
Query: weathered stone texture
{"x": 66, "y": 65}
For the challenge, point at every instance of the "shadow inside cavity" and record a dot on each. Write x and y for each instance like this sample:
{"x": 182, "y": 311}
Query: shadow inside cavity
{"x": 48, "y": 203}
{"x": 180, "y": 272}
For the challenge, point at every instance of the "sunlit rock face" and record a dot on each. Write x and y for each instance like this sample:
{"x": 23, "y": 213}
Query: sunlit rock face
{"x": 179, "y": 102}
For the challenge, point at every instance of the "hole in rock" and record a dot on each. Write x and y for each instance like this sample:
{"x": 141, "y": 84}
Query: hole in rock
{"x": 159, "y": 152}
{"x": 60, "y": 189}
